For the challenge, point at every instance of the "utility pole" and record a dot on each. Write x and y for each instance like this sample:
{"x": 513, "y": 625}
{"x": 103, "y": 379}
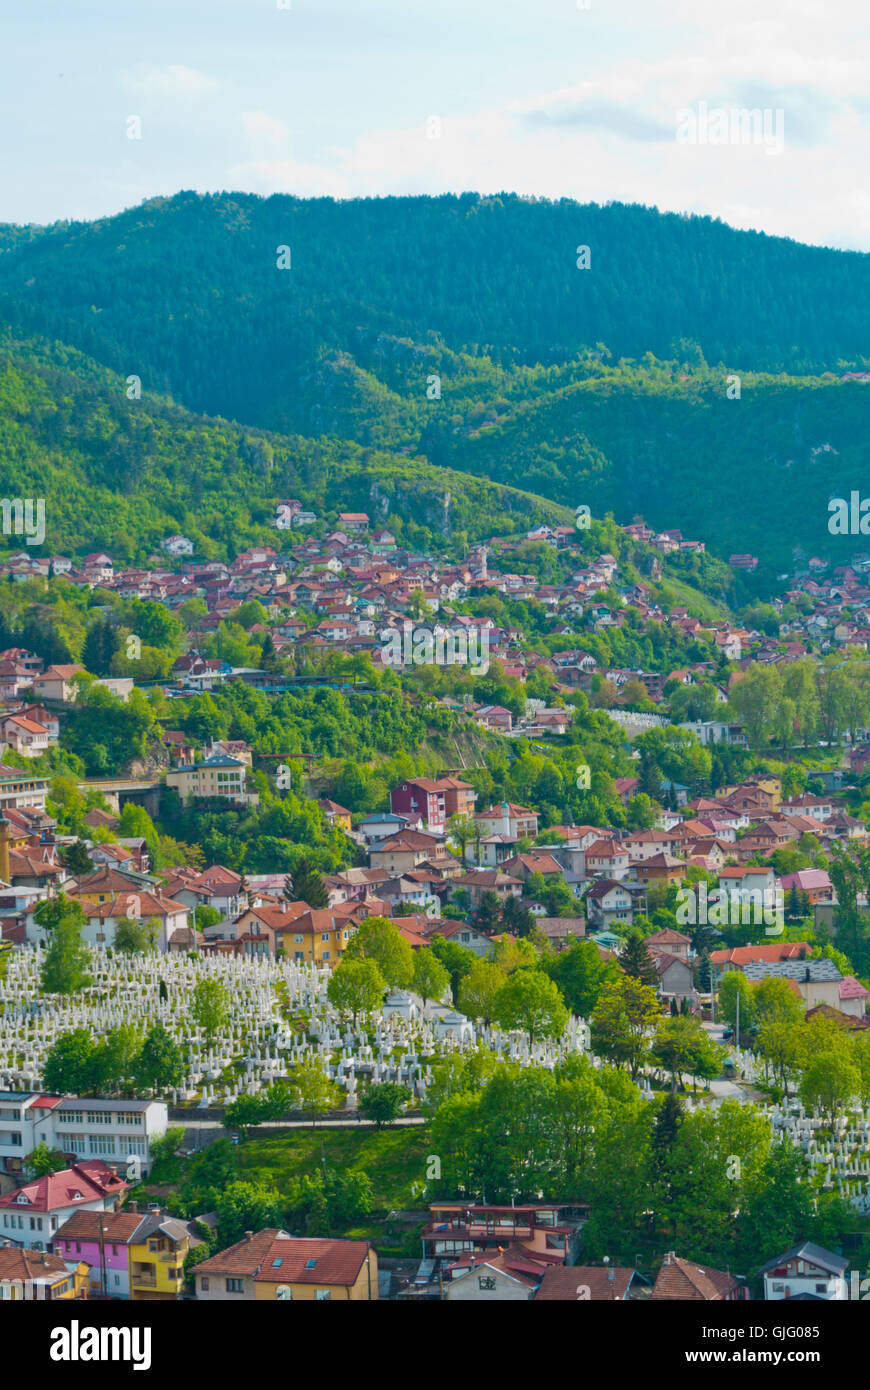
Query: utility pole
{"x": 737, "y": 1024}
{"x": 103, "y": 1278}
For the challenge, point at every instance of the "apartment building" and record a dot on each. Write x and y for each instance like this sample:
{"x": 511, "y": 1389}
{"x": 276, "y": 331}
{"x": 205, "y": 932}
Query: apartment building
{"x": 120, "y": 1132}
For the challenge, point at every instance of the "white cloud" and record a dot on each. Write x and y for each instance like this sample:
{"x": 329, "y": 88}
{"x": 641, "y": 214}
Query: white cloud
{"x": 173, "y": 80}
{"x": 612, "y": 136}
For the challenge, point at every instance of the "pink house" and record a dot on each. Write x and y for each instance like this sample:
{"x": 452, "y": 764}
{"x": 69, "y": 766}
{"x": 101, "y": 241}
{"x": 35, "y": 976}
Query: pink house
{"x": 100, "y": 1239}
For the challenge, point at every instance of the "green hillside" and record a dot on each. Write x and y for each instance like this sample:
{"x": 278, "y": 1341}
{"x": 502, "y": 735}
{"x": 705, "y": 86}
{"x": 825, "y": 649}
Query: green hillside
{"x": 414, "y": 335}
{"x": 122, "y": 474}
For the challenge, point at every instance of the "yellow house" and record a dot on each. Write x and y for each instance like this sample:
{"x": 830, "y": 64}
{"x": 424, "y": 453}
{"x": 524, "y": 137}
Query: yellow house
{"x": 157, "y": 1256}
{"x": 318, "y": 936}
{"x": 335, "y": 814}
{"x": 274, "y": 1267}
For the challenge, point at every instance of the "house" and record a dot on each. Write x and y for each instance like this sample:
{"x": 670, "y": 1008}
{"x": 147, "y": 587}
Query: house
{"x": 502, "y": 1278}
{"x": 27, "y": 1274}
{"x": 660, "y": 868}
{"x": 421, "y": 801}
{"x": 674, "y": 942}
{"x": 380, "y": 825}
{"x": 177, "y": 545}
{"x": 524, "y": 865}
{"x": 853, "y": 997}
{"x": 479, "y": 881}
{"x": 817, "y": 981}
{"x": 31, "y": 1215}
{"x": 58, "y": 683}
{"x": 157, "y": 1251}
{"x": 464, "y": 935}
{"x": 606, "y": 857}
{"x": 680, "y": 1279}
{"x": 25, "y": 736}
{"x": 814, "y": 882}
{"x": 806, "y": 1271}
{"x": 335, "y": 814}
{"x": 100, "y": 1240}
{"x": 510, "y": 821}
{"x": 272, "y": 1266}
{"x": 737, "y": 957}
{"x": 560, "y": 931}
{"x": 589, "y": 1283}
{"x": 168, "y": 916}
{"x": 319, "y": 935}
{"x": 608, "y": 901}
{"x": 401, "y": 853}
{"x": 216, "y": 776}
{"x": 494, "y": 717}
{"x": 430, "y": 802}
{"x": 675, "y": 978}
{"x": 542, "y": 1230}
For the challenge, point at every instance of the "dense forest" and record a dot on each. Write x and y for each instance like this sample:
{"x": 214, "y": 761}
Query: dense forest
{"x": 412, "y": 335}
{"x": 123, "y": 473}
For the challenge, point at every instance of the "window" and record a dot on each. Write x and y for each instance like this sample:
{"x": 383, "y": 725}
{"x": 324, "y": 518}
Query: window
{"x": 298, "y": 939}
{"x": 327, "y": 955}
{"x": 821, "y": 1288}
{"x": 322, "y": 1295}
{"x": 324, "y": 936}
{"x": 486, "y": 1281}
{"x": 103, "y": 1144}
{"x": 203, "y": 1283}
{"x": 235, "y": 1285}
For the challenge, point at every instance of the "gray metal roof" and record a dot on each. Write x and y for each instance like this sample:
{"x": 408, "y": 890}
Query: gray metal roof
{"x": 814, "y": 971}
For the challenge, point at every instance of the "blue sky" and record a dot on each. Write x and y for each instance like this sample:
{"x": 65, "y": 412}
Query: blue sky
{"x": 425, "y": 96}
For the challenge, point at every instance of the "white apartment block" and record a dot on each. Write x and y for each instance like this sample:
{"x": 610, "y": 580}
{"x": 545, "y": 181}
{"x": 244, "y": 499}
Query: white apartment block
{"x": 119, "y": 1132}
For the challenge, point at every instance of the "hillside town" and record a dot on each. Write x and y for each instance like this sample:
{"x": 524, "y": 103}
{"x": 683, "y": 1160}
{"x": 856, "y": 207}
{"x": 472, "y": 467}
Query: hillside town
{"x": 457, "y": 936}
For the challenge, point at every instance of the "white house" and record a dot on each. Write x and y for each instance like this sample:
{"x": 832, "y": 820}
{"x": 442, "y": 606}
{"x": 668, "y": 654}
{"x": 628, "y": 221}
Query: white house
{"x": 806, "y": 1269}
{"x": 31, "y": 1215}
{"x": 177, "y": 545}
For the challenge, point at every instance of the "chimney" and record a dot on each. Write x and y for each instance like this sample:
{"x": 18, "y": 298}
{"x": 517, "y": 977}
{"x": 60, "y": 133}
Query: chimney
{"x": 133, "y": 1207}
{"x": 249, "y": 1235}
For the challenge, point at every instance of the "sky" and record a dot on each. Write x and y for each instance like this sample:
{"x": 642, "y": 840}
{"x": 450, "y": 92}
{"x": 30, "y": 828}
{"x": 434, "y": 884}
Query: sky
{"x": 540, "y": 97}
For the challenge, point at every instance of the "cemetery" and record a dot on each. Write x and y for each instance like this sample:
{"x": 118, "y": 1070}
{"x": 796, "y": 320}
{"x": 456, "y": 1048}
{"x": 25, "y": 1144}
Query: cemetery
{"x": 279, "y": 1017}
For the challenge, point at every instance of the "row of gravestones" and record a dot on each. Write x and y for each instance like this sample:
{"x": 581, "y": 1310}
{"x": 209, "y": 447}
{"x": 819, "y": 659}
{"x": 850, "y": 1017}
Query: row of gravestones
{"x": 127, "y": 990}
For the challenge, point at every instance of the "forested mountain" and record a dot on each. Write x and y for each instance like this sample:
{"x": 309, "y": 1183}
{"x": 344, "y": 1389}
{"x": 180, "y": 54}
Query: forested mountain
{"x": 460, "y": 330}
{"x": 122, "y": 474}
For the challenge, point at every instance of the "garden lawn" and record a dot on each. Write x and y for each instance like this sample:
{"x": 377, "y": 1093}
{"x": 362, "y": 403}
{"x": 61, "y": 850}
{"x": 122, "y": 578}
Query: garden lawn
{"x": 392, "y": 1159}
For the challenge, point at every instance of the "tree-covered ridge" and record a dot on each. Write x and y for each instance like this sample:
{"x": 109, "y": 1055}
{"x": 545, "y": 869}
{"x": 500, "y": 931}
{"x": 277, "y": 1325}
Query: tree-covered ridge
{"x": 124, "y": 473}
{"x": 219, "y": 317}
{"x": 459, "y": 330}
